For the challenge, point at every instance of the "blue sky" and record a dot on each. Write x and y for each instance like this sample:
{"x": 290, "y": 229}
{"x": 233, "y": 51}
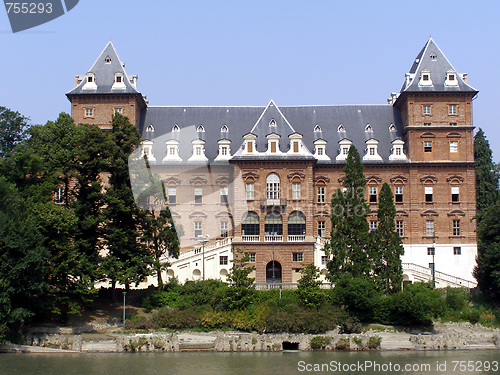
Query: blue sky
{"x": 247, "y": 52}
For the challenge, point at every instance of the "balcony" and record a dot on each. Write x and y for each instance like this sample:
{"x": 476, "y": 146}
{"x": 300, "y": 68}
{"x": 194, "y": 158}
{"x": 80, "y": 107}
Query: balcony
{"x": 255, "y": 238}
{"x": 273, "y": 202}
{"x": 271, "y": 238}
{"x": 296, "y": 238}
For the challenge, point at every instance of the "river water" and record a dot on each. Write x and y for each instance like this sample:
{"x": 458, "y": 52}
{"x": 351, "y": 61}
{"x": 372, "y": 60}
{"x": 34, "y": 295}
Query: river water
{"x": 287, "y": 363}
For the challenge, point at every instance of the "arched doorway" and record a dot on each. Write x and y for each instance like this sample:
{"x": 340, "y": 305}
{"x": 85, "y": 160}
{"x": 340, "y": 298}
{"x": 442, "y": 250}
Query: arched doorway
{"x": 277, "y": 272}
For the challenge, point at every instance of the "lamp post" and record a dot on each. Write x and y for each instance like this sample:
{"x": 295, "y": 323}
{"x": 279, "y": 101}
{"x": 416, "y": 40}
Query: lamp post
{"x": 433, "y": 263}
{"x": 124, "y": 294}
{"x": 274, "y": 234}
{"x": 202, "y": 239}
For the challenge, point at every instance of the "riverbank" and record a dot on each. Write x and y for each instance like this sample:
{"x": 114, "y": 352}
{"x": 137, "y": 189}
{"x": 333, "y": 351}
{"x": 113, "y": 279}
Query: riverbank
{"x": 110, "y": 338}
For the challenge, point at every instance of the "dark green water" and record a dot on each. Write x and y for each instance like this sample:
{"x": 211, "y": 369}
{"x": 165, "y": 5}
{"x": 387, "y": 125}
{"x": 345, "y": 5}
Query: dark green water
{"x": 473, "y": 362}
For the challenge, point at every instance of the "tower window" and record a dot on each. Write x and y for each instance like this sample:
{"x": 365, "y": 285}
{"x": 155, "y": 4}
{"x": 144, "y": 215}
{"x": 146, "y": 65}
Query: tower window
{"x": 453, "y": 146}
{"x": 321, "y": 194}
{"x": 373, "y": 225}
{"x": 172, "y": 194}
{"x": 250, "y": 190}
{"x": 452, "y": 109}
{"x": 321, "y": 228}
{"x": 372, "y": 190}
{"x": 426, "y": 109}
{"x": 198, "y": 191}
{"x": 272, "y": 122}
{"x": 429, "y": 228}
{"x": 456, "y": 227}
{"x": 297, "y": 257}
{"x": 457, "y": 251}
{"x": 400, "y": 227}
{"x": 224, "y": 192}
{"x": 223, "y": 230}
{"x": 89, "y": 112}
{"x": 399, "y": 193}
{"x": 90, "y": 79}
{"x": 427, "y": 146}
{"x": 455, "y": 193}
{"x": 197, "y": 228}
{"x": 295, "y": 190}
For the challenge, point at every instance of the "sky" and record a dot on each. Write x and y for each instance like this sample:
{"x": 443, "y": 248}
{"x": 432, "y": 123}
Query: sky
{"x": 244, "y": 53}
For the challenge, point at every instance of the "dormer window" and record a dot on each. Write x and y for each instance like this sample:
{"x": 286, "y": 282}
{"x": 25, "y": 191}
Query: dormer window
{"x": 224, "y": 129}
{"x": 200, "y": 129}
{"x": 341, "y": 128}
{"x": 317, "y": 129}
{"x": 119, "y": 84}
{"x": 272, "y": 122}
{"x": 150, "y": 128}
{"x": 392, "y": 128}
{"x": 425, "y": 78}
{"x": 198, "y": 151}
{"x": 107, "y": 60}
{"x": 147, "y": 150}
{"x": 90, "y": 84}
{"x": 397, "y": 152}
{"x": 273, "y": 143}
{"x": 368, "y": 128}
{"x": 172, "y": 151}
{"x": 433, "y": 56}
{"x": 176, "y": 128}
{"x": 344, "y": 146}
{"x": 320, "y": 150}
{"x": 451, "y": 78}
{"x": 372, "y": 150}
{"x": 224, "y": 150}
{"x": 249, "y": 143}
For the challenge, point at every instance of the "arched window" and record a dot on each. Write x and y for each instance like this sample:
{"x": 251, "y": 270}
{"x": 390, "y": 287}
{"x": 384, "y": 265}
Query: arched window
{"x": 296, "y": 224}
{"x": 273, "y": 224}
{"x": 273, "y": 186}
{"x": 250, "y": 224}
{"x": 224, "y": 129}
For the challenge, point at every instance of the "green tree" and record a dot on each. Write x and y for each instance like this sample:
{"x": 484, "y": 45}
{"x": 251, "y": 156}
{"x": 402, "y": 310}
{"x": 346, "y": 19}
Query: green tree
{"x": 161, "y": 239}
{"x": 241, "y": 292}
{"x": 388, "y": 271}
{"x": 308, "y": 288}
{"x": 487, "y": 269}
{"x": 487, "y": 193}
{"x": 128, "y": 260}
{"x": 23, "y": 259}
{"x": 348, "y": 249}
{"x": 13, "y": 128}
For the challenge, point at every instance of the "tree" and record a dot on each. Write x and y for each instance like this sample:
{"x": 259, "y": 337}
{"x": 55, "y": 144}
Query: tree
{"x": 23, "y": 259}
{"x": 487, "y": 269}
{"x": 241, "y": 292}
{"x": 348, "y": 250}
{"x": 128, "y": 260}
{"x": 13, "y": 128}
{"x": 161, "y": 240}
{"x": 388, "y": 271}
{"x": 309, "y": 286}
{"x": 487, "y": 193}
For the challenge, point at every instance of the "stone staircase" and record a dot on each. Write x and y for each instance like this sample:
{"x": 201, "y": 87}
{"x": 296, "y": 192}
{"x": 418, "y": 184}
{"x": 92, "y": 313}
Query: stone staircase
{"x": 416, "y": 272}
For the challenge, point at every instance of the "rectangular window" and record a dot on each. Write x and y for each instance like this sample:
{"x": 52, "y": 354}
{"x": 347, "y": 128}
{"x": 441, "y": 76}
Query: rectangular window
{"x": 452, "y": 109}
{"x": 324, "y": 260}
{"x": 426, "y": 109}
{"x": 224, "y": 150}
{"x": 172, "y": 194}
{"x": 297, "y": 257}
{"x": 171, "y": 150}
{"x": 456, "y": 227}
{"x": 431, "y": 251}
{"x": 118, "y": 79}
{"x": 295, "y": 190}
{"x": 224, "y": 194}
{"x": 399, "y": 194}
{"x": 321, "y": 194}
{"x": 251, "y": 257}
{"x": 249, "y": 147}
{"x": 398, "y": 151}
{"x": 453, "y": 124}
{"x": 223, "y": 260}
{"x": 372, "y": 151}
{"x": 198, "y": 191}
{"x": 198, "y": 151}
{"x": 427, "y": 124}
{"x": 429, "y": 228}
{"x": 250, "y": 189}
{"x": 320, "y": 150}
{"x": 428, "y": 194}
{"x": 373, "y": 225}
{"x": 427, "y": 146}
{"x": 295, "y": 146}
{"x": 223, "y": 229}
{"x": 453, "y": 146}
{"x": 457, "y": 251}
{"x": 345, "y": 150}
{"x": 400, "y": 227}
{"x": 455, "y": 193}
{"x": 273, "y": 147}
{"x": 372, "y": 192}
{"x": 118, "y": 111}
{"x": 89, "y": 112}
{"x": 321, "y": 228}
{"x": 197, "y": 228}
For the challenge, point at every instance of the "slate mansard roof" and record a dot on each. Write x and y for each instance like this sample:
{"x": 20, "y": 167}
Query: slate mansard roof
{"x": 294, "y": 119}
{"x": 432, "y": 59}
{"x": 104, "y": 68}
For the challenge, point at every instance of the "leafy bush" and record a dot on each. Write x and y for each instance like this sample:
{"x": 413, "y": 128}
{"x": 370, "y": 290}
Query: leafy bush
{"x": 319, "y": 342}
{"x": 457, "y": 299}
{"x": 358, "y": 295}
{"x": 374, "y": 342}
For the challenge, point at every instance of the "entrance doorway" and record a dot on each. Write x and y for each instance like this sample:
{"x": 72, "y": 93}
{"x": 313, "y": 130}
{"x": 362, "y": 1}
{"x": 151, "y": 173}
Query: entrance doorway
{"x": 277, "y": 272}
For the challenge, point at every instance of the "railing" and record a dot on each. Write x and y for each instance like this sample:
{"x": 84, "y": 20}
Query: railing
{"x": 267, "y": 286}
{"x": 321, "y": 241}
{"x": 439, "y": 275}
{"x": 268, "y": 238}
{"x": 208, "y": 247}
{"x": 273, "y": 202}
{"x": 253, "y": 238}
{"x": 296, "y": 238}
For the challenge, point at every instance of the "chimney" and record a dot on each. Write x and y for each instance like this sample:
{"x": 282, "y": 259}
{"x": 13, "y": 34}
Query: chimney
{"x": 464, "y": 77}
{"x": 76, "y": 80}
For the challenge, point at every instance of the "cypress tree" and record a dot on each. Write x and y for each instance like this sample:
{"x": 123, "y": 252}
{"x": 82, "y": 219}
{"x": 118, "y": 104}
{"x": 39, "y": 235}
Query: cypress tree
{"x": 487, "y": 193}
{"x": 348, "y": 250}
{"x": 388, "y": 272}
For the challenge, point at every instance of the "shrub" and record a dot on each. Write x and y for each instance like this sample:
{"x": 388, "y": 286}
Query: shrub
{"x": 343, "y": 344}
{"x": 358, "y": 295}
{"x": 374, "y": 342}
{"x": 456, "y": 299}
{"x": 319, "y": 342}
{"x": 175, "y": 319}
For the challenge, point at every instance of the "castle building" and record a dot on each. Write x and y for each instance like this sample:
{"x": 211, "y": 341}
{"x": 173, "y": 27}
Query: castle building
{"x": 260, "y": 179}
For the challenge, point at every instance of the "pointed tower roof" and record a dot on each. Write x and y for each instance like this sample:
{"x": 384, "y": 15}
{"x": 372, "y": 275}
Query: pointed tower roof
{"x": 105, "y": 68}
{"x": 433, "y": 62}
